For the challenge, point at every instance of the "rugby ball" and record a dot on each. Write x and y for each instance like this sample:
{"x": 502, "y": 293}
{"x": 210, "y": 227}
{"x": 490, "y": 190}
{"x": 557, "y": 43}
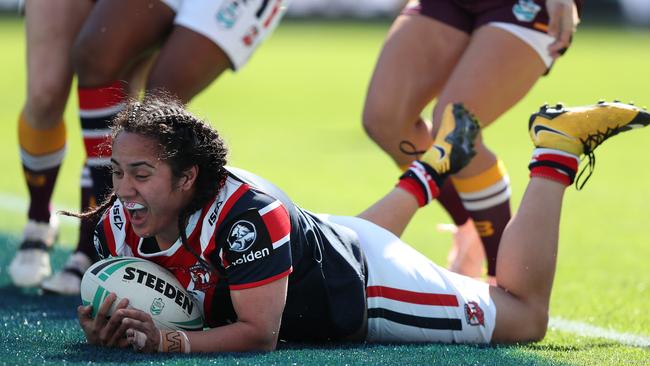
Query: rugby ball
{"x": 148, "y": 286}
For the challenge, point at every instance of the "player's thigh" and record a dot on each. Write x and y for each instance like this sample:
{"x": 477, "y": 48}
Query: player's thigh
{"x": 220, "y": 34}
{"x": 175, "y": 73}
{"x": 116, "y": 32}
{"x": 496, "y": 71}
{"x": 51, "y": 27}
{"x": 418, "y": 55}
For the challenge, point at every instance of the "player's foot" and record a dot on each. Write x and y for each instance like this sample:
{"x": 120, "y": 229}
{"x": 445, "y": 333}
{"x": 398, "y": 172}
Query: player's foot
{"x": 453, "y": 147}
{"x": 451, "y": 151}
{"x": 579, "y": 130}
{"x": 31, "y": 265}
{"x": 466, "y": 255}
{"x": 68, "y": 280}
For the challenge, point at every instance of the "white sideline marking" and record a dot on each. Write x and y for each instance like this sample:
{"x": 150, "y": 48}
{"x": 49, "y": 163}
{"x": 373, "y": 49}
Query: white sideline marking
{"x": 591, "y": 331}
{"x": 18, "y": 205}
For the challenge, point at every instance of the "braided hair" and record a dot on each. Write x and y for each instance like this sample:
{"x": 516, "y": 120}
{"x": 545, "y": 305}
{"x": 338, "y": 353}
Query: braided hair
{"x": 184, "y": 141}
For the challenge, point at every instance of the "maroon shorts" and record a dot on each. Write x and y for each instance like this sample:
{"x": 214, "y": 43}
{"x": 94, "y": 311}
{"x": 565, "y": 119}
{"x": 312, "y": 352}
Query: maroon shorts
{"x": 469, "y": 15}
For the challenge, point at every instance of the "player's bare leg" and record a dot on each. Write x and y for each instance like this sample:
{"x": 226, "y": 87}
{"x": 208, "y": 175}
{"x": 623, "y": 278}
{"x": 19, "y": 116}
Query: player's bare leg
{"x": 528, "y": 252}
{"x": 116, "y": 33}
{"x": 406, "y": 78}
{"x": 112, "y": 41}
{"x": 172, "y": 72}
{"x": 50, "y": 30}
{"x": 402, "y": 86}
{"x": 495, "y": 72}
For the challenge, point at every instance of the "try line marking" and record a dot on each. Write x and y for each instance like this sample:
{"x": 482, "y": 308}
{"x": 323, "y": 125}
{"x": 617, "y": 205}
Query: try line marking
{"x": 18, "y": 205}
{"x": 591, "y": 331}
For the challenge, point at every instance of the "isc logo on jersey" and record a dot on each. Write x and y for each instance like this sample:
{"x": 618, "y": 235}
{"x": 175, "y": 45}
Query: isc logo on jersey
{"x": 148, "y": 286}
{"x": 241, "y": 238}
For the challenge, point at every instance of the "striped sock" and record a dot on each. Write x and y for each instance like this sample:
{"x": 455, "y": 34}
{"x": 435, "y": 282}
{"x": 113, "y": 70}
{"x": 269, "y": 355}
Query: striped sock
{"x": 487, "y": 199}
{"x": 422, "y": 182}
{"x": 555, "y": 165}
{"x": 97, "y": 107}
{"x": 41, "y": 154}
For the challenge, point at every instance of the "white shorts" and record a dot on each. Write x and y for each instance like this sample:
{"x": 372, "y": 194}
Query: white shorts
{"x": 537, "y": 40}
{"x": 238, "y": 27}
{"x": 411, "y": 299}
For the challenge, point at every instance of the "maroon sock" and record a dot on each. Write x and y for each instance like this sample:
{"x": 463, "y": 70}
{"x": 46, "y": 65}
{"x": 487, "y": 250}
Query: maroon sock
{"x": 40, "y": 185}
{"x": 490, "y": 224}
{"x": 451, "y": 202}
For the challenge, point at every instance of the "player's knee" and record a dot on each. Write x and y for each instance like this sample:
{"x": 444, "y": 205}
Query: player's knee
{"x": 536, "y": 331}
{"x": 378, "y": 123}
{"x": 93, "y": 67}
{"x": 45, "y": 105}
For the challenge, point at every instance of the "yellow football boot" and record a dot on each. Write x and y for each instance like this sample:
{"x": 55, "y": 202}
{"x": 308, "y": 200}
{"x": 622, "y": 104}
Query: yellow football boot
{"x": 579, "y": 130}
{"x": 453, "y": 147}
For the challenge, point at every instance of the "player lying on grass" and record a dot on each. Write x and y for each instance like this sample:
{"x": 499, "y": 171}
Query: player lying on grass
{"x": 264, "y": 269}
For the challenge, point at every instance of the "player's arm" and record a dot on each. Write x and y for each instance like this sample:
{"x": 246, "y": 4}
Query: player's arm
{"x": 259, "y": 311}
{"x": 254, "y": 249}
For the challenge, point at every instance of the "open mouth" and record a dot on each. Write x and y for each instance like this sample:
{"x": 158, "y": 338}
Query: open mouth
{"x": 135, "y": 210}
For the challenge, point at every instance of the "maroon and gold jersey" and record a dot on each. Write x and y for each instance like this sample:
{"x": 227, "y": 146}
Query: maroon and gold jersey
{"x": 251, "y": 234}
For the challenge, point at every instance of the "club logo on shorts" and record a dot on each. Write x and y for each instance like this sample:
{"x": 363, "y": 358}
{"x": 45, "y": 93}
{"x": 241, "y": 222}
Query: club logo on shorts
{"x": 251, "y": 35}
{"x": 242, "y": 236}
{"x": 474, "y": 314}
{"x": 229, "y": 13}
{"x": 157, "y": 306}
{"x": 525, "y": 10}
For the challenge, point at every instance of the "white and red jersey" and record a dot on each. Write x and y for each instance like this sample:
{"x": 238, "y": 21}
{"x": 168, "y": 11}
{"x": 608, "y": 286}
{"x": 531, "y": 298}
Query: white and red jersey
{"x": 252, "y": 234}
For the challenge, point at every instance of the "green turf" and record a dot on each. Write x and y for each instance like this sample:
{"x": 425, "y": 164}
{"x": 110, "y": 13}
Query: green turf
{"x": 293, "y": 116}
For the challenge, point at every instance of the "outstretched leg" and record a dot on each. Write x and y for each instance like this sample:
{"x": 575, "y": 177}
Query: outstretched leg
{"x": 528, "y": 250}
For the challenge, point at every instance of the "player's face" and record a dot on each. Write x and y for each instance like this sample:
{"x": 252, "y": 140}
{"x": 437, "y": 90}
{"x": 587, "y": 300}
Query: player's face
{"x": 146, "y": 186}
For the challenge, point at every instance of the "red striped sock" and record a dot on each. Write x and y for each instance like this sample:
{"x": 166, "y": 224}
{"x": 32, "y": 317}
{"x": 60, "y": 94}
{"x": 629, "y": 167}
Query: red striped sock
{"x": 420, "y": 180}
{"x": 97, "y": 107}
{"x": 554, "y": 165}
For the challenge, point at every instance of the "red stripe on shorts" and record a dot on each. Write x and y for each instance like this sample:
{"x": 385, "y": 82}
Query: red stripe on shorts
{"x": 421, "y": 298}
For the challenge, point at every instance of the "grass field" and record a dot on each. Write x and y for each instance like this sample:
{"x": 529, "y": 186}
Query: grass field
{"x": 294, "y": 111}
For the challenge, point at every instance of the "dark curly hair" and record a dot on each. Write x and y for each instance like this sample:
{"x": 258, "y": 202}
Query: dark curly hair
{"x": 184, "y": 141}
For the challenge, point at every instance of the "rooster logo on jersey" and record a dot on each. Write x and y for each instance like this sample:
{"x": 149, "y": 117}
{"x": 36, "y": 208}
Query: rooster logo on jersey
{"x": 242, "y": 236}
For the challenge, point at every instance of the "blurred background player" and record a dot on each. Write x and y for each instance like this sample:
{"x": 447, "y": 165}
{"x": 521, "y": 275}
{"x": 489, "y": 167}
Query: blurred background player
{"x": 120, "y": 33}
{"x": 485, "y": 54}
{"x": 51, "y": 28}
